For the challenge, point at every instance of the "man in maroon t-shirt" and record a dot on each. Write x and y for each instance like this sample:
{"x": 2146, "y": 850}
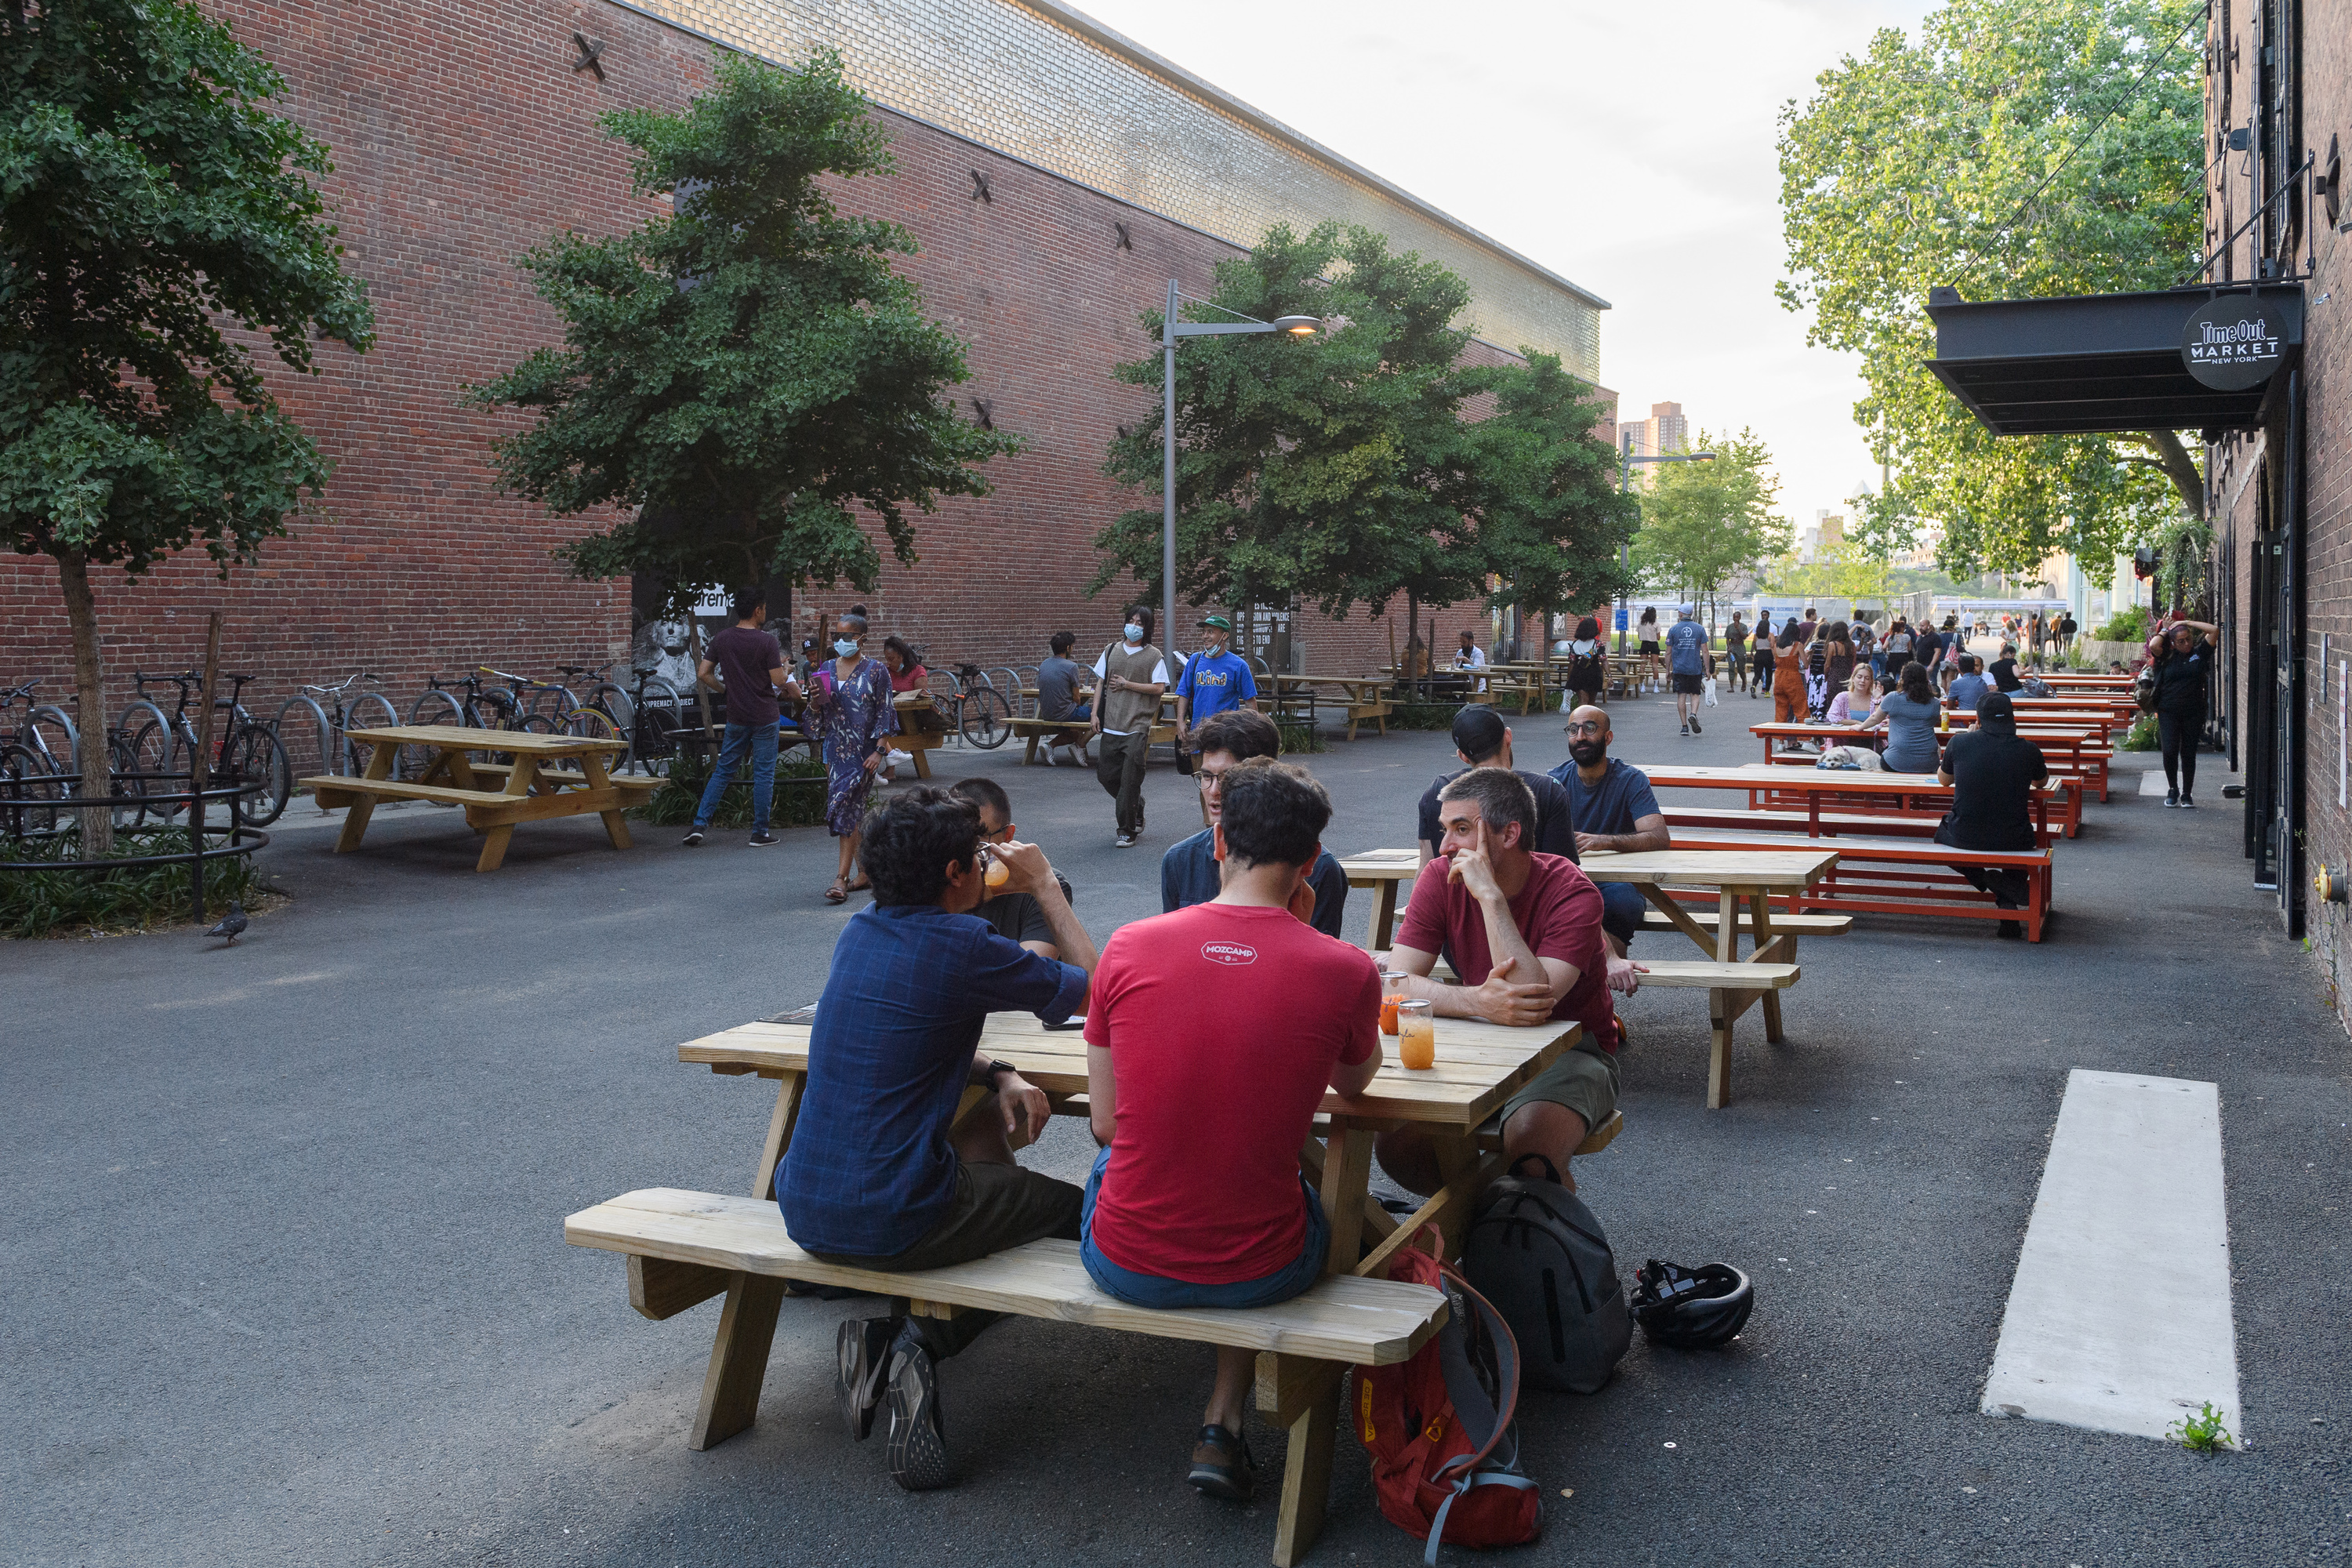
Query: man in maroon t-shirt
{"x": 1523, "y": 932}
{"x": 1211, "y": 1033}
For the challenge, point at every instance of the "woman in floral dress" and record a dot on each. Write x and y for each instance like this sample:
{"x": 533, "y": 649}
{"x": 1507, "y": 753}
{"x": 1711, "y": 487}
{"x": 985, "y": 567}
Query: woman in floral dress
{"x": 850, "y": 701}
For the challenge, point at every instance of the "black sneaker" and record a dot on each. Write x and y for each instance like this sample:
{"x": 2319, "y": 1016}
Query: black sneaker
{"x": 864, "y": 1348}
{"x": 762, "y": 838}
{"x": 1126, "y": 841}
{"x": 2014, "y": 930}
{"x": 2172, "y": 798}
{"x": 1695, "y": 727}
{"x": 1222, "y": 1465}
{"x": 2186, "y": 804}
{"x": 919, "y": 1441}
{"x": 1686, "y": 729}
{"x": 693, "y": 836}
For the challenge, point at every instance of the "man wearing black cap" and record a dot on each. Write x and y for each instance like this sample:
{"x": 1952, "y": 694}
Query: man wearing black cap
{"x": 1994, "y": 772}
{"x": 1482, "y": 739}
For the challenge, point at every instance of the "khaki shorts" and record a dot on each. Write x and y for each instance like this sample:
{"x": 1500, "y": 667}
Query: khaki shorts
{"x": 995, "y": 1207}
{"x": 1583, "y": 1079}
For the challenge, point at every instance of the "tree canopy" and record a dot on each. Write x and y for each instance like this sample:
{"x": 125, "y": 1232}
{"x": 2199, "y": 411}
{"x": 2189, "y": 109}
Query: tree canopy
{"x": 747, "y": 375}
{"x": 1550, "y": 516}
{"x": 1703, "y": 523}
{"x": 157, "y": 223}
{"x": 2020, "y": 149}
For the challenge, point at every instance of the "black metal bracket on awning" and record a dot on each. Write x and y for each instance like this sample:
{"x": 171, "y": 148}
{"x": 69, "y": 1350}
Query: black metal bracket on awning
{"x": 2095, "y": 364}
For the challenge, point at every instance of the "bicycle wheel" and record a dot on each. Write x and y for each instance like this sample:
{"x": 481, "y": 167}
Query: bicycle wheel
{"x": 987, "y": 722}
{"x": 373, "y": 710}
{"x": 434, "y": 707}
{"x": 51, "y": 737}
{"x": 29, "y": 797}
{"x": 258, "y": 763}
{"x": 153, "y": 748}
{"x": 595, "y": 725}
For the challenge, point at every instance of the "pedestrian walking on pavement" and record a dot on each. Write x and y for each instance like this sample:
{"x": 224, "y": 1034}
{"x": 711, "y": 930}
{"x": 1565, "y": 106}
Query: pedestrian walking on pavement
{"x": 747, "y": 663}
{"x": 1688, "y": 642}
{"x": 1133, "y": 675}
{"x": 855, "y": 715}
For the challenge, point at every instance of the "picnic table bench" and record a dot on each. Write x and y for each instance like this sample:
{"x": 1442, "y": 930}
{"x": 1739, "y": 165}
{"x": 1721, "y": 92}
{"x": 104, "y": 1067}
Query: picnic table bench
{"x": 1365, "y": 697}
{"x": 2069, "y": 752}
{"x": 533, "y": 787}
{"x": 685, "y": 1248}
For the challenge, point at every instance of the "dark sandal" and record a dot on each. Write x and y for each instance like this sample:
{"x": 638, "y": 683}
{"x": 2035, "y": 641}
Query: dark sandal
{"x": 834, "y": 895}
{"x": 860, "y": 885}
{"x": 1222, "y": 1465}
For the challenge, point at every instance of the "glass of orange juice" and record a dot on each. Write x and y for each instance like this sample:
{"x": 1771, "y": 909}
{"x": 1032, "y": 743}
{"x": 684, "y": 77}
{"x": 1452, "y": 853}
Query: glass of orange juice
{"x": 994, "y": 872}
{"x": 1391, "y": 993}
{"x": 1416, "y": 1035}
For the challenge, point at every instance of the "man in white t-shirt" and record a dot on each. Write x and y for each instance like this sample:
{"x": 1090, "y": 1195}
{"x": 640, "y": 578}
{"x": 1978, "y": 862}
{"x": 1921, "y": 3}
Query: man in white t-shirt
{"x": 1470, "y": 656}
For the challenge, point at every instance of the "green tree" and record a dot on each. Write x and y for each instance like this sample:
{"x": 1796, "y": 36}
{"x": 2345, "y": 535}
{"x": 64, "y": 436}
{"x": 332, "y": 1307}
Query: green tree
{"x": 1550, "y": 518}
{"x": 741, "y": 374}
{"x": 149, "y": 204}
{"x": 2021, "y": 148}
{"x": 1704, "y": 524}
{"x": 1332, "y": 468}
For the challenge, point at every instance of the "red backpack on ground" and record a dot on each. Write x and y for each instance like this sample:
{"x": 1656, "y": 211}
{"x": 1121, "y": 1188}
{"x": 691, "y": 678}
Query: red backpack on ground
{"x": 1445, "y": 1460}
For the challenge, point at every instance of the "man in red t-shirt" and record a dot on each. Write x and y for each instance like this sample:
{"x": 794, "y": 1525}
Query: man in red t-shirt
{"x": 1211, "y": 1034}
{"x": 1523, "y": 932}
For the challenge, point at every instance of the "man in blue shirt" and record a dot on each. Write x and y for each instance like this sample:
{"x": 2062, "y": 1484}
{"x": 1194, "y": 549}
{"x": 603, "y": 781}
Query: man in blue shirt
{"x": 876, "y": 1175}
{"x": 1215, "y": 681}
{"x": 1686, "y": 643}
{"x": 1969, "y": 686}
{"x": 1188, "y": 872}
{"x": 1614, "y": 808}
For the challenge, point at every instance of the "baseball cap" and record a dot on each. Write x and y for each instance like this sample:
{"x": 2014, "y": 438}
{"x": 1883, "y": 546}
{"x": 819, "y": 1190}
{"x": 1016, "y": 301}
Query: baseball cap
{"x": 1219, "y": 622}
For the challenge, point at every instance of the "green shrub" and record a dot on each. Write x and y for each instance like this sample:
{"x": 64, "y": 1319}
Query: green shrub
{"x": 796, "y": 804}
{"x": 2142, "y": 736}
{"x": 1423, "y": 715}
{"x": 36, "y": 903}
{"x": 1301, "y": 736}
{"x": 2129, "y": 626}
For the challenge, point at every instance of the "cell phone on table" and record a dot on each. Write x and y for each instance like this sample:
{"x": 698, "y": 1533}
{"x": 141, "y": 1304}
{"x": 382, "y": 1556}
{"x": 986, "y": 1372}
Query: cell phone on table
{"x": 1077, "y": 1023}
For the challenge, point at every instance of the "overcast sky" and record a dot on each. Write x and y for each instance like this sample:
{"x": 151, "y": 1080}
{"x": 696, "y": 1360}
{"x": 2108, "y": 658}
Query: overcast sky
{"x": 1629, "y": 148}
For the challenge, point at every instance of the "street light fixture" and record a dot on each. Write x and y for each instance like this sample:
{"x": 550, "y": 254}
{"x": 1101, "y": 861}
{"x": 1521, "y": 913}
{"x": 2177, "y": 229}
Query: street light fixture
{"x": 1171, "y": 331}
{"x": 1626, "y": 459}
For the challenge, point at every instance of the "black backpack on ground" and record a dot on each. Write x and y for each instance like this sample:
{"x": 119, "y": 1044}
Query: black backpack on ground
{"x": 1535, "y": 1252}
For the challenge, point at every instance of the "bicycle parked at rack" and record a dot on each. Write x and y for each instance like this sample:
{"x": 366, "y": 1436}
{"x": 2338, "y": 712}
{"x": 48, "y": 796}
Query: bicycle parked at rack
{"x": 974, "y": 709}
{"x": 649, "y": 718}
{"x": 246, "y": 753}
{"x": 367, "y": 710}
{"x": 479, "y": 708}
{"x": 36, "y": 765}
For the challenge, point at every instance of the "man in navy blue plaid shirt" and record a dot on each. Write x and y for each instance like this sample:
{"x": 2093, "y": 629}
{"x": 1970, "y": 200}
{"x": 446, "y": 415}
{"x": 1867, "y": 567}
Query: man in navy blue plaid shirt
{"x": 875, "y": 1176}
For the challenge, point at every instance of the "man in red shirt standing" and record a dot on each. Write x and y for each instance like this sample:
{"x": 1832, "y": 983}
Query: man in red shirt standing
{"x": 1196, "y": 1199}
{"x": 1523, "y": 932}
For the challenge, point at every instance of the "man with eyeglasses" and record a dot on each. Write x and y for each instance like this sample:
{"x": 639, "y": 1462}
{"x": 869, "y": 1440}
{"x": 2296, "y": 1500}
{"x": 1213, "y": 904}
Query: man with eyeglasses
{"x": 1615, "y": 809}
{"x": 1188, "y": 872}
{"x": 1016, "y": 917}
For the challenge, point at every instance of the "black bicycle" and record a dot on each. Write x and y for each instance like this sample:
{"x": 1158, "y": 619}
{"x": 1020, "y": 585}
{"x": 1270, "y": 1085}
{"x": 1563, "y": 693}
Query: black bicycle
{"x": 246, "y": 753}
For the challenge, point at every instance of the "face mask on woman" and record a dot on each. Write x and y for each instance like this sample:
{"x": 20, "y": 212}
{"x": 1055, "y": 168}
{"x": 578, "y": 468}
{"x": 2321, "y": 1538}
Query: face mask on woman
{"x": 845, "y": 646}
{"x": 1134, "y": 631}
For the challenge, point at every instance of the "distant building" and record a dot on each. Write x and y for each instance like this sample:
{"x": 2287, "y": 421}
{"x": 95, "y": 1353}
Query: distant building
{"x": 1826, "y": 534}
{"x": 1665, "y": 430}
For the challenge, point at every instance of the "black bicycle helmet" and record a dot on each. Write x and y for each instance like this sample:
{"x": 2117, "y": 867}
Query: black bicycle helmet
{"x": 1692, "y": 1309}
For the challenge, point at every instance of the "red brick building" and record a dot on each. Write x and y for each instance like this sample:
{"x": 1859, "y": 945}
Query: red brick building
{"x": 1055, "y": 175}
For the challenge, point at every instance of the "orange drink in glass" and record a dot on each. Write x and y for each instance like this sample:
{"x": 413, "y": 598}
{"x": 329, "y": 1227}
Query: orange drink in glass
{"x": 994, "y": 872}
{"x": 1391, "y": 993}
{"x": 1416, "y": 1035}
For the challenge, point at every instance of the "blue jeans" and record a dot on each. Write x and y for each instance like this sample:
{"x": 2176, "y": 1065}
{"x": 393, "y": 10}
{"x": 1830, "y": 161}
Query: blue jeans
{"x": 1151, "y": 1290}
{"x": 1080, "y": 713}
{"x": 1622, "y": 910}
{"x": 762, "y": 741}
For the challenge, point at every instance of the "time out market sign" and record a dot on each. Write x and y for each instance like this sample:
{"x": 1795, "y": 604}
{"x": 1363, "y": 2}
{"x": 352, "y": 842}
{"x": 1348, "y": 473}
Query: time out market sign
{"x": 2234, "y": 342}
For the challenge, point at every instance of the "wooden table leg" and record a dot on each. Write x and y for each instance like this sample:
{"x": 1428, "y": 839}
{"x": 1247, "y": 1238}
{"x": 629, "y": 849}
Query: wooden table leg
{"x": 739, "y": 1360}
{"x": 1719, "y": 1049}
{"x": 781, "y": 1122}
{"x": 1306, "y": 1472}
{"x": 923, "y": 762}
{"x": 355, "y": 819}
{"x": 1761, "y": 920}
{"x": 1385, "y": 902}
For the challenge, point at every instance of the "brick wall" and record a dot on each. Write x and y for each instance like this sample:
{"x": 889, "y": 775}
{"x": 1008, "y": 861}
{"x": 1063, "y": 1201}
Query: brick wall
{"x": 462, "y": 136}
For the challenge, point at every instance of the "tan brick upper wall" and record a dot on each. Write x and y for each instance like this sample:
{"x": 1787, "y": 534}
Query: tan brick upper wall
{"x": 1055, "y": 89}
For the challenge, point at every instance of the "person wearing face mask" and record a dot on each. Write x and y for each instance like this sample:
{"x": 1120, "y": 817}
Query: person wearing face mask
{"x": 1614, "y": 808}
{"x": 1215, "y": 681}
{"x": 853, "y": 716}
{"x": 1133, "y": 675}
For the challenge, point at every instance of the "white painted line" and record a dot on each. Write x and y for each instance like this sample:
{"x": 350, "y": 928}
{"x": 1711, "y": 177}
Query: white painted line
{"x": 2152, "y": 781}
{"x": 2119, "y": 1317}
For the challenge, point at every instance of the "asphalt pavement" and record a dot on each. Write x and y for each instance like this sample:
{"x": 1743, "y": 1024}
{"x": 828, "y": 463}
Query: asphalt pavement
{"x": 287, "y": 1281}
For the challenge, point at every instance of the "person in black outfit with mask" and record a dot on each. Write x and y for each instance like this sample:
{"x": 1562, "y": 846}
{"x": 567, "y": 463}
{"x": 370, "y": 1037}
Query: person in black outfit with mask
{"x": 2183, "y": 666}
{"x": 1993, "y": 808}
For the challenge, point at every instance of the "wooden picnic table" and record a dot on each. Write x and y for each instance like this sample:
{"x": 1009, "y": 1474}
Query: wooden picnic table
{"x": 1364, "y": 696}
{"x": 1479, "y": 1066}
{"x": 1813, "y": 788}
{"x": 530, "y": 788}
{"x": 2079, "y": 752}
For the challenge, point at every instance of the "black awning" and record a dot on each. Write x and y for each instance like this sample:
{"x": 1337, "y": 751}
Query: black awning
{"x": 2092, "y": 363}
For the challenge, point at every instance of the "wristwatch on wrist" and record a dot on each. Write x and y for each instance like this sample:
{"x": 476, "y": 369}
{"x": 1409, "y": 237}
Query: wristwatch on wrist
{"x": 995, "y": 1067}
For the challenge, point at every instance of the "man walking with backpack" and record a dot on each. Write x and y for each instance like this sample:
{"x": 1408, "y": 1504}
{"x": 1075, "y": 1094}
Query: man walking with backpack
{"x": 1686, "y": 666}
{"x": 1133, "y": 675}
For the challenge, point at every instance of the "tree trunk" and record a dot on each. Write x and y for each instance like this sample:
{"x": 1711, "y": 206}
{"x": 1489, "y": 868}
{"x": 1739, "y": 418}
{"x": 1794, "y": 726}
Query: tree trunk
{"x": 89, "y": 704}
{"x": 2180, "y": 469}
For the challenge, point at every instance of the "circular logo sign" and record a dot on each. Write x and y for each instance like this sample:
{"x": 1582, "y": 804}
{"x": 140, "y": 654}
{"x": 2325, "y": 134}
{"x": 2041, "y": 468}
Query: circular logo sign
{"x": 1232, "y": 953}
{"x": 2234, "y": 342}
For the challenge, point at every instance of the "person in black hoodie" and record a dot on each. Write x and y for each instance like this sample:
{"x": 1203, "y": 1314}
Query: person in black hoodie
{"x": 2184, "y": 664}
{"x": 1992, "y": 806}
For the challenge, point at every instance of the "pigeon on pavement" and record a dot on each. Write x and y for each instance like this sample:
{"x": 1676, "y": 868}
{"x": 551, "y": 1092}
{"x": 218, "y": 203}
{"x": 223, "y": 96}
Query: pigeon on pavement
{"x": 232, "y": 924}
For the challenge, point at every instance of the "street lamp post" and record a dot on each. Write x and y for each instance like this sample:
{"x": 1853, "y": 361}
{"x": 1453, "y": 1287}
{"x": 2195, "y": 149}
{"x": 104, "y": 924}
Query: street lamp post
{"x": 1171, "y": 331}
{"x": 1626, "y": 459}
